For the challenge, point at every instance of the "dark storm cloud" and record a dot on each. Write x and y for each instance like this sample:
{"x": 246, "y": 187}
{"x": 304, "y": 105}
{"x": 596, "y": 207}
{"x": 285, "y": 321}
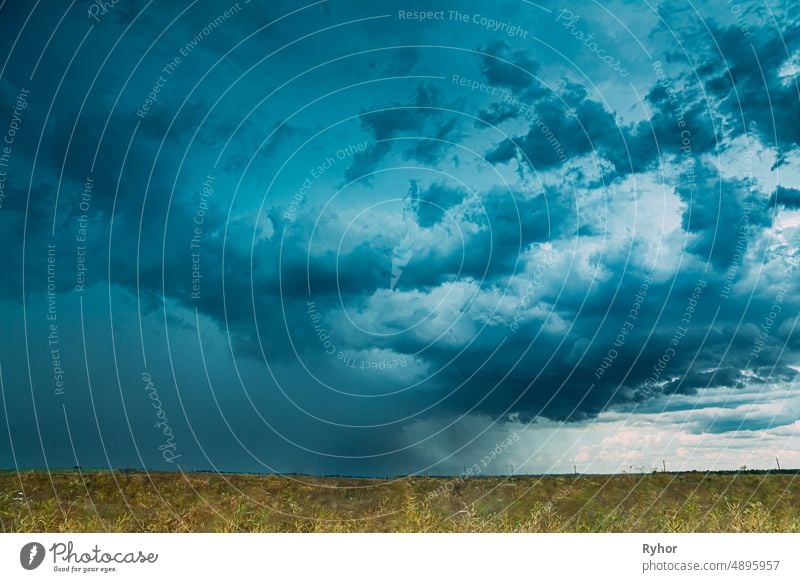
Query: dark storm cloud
{"x": 719, "y": 213}
{"x": 729, "y": 376}
{"x": 424, "y": 121}
{"x": 495, "y": 229}
{"x": 432, "y": 203}
{"x": 747, "y": 83}
{"x": 786, "y": 197}
{"x": 261, "y": 269}
{"x": 367, "y": 162}
{"x": 514, "y": 70}
{"x": 496, "y": 114}
{"x": 546, "y": 373}
{"x": 684, "y": 106}
{"x": 563, "y": 126}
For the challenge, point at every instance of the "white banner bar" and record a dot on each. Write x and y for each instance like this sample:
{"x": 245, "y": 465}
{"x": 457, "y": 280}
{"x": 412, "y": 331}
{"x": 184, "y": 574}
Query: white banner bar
{"x": 389, "y": 557}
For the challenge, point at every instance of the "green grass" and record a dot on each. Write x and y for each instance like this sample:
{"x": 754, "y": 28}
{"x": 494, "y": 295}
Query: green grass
{"x": 202, "y": 502}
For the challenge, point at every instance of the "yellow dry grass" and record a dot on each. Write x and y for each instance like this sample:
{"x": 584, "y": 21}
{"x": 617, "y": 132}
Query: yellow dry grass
{"x": 105, "y": 501}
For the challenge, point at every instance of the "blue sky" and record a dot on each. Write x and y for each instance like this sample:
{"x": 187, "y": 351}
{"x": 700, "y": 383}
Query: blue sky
{"x": 380, "y": 238}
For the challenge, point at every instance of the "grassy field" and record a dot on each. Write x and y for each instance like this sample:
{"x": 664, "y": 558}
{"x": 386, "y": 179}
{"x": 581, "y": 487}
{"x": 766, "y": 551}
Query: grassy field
{"x": 204, "y": 502}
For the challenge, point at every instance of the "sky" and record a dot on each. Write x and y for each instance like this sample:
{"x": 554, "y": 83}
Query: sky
{"x": 388, "y": 238}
